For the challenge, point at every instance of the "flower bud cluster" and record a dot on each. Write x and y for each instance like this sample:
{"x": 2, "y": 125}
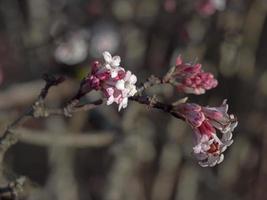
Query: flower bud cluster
{"x": 209, "y": 145}
{"x": 192, "y": 79}
{"x": 116, "y": 84}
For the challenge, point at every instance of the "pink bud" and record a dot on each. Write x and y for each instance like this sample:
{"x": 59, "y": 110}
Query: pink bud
{"x": 179, "y": 60}
{"x": 192, "y": 79}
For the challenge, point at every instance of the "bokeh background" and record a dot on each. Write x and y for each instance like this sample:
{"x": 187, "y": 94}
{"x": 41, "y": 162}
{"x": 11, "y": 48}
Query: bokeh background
{"x": 139, "y": 153}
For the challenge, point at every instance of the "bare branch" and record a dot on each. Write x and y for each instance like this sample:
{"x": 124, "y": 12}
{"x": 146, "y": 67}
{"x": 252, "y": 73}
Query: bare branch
{"x": 152, "y": 102}
{"x": 8, "y": 138}
{"x": 41, "y": 111}
{"x": 151, "y": 81}
{"x": 25, "y": 93}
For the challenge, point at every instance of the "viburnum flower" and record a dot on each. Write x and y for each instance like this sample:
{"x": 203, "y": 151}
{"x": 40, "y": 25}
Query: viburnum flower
{"x": 209, "y": 7}
{"x": 112, "y": 64}
{"x": 190, "y": 78}
{"x": 116, "y": 83}
{"x": 209, "y": 146}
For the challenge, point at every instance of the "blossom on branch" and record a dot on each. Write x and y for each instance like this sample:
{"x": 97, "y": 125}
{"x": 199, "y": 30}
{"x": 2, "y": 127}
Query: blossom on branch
{"x": 116, "y": 83}
{"x": 190, "y": 78}
{"x": 112, "y": 64}
{"x": 212, "y": 126}
{"x": 209, "y": 146}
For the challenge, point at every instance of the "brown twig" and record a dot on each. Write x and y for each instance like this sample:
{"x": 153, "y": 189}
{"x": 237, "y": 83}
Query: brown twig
{"x": 25, "y": 93}
{"x": 151, "y": 81}
{"x": 152, "y": 102}
{"x": 38, "y": 109}
{"x": 41, "y": 111}
{"x": 154, "y": 80}
{"x": 9, "y": 138}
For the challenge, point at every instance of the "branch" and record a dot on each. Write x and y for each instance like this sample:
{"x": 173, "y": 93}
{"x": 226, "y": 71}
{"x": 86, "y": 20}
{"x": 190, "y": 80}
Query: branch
{"x": 25, "y": 93}
{"x": 5, "y": 139}
{"x": 40, "y": 110}
{"x": 151, "y": 81}
{"x": 152, "y": 102}
{"x": 154, "y": 80}
{"x": 8, "y": 138}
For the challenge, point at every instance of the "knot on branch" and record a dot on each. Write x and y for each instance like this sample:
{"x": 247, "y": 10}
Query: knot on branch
{"x": 39, "y": 109}
{"x": 152, "y": 101}
{"x": 50, "y": 81}
{"x": 69, "y": 109}
{"x": 151, "y": 81}
{"x": 53, "y": 80}
{"x": 7, "y": 140}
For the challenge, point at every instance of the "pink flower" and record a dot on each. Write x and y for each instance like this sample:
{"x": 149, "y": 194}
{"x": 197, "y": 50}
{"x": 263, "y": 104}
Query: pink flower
{"x": 209, "y": 147}
{"x": 209, "y": 7}
{"x": 190, "y": 78}
{"x": 116, "y": 84}
{"x": 112, "y": 64}
{"x": 118, "y": 91}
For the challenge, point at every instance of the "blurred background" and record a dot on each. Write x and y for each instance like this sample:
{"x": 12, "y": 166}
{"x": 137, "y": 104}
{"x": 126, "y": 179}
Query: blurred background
{"x": 137, "y": 154}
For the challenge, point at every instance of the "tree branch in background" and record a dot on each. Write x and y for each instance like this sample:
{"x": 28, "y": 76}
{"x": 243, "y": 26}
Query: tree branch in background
{"x": 45, "y": 138}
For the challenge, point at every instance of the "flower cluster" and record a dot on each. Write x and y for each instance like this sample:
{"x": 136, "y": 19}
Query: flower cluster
{"x": 209, "y": 146}
{"x": 116, "y": 83}
{"x": 212, "y": 126}
{"x": 209, "y": 7}
{"x": 190, "y": 78}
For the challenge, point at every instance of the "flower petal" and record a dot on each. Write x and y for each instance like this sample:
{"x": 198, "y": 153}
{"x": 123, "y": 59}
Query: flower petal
{"x": 114, "y": 73}
{"x": 120, "y": 85}
{"x": 116, "y": 61}
{"x": 110, "y": 100}
{"x": 133, "y": 79}
{"x": 107, "y": 57}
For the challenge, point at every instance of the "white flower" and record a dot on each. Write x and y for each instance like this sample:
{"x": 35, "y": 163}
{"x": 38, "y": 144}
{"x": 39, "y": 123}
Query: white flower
{"x": 110, "y": 93}
{"x": 127, "y": 84}
{"x": 112, "y": 64}
{"x": 119, "y": 90}
{"x": 203, "y": 144}
{"x": 127, "y": 88}
{"x": 116, "y": 83}
{"x": 209, "y": 150}
{"x": 123, "y": 103}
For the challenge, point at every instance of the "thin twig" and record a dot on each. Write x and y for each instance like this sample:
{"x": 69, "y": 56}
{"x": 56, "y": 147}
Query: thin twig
{"x": 151, "y": 81}
{"x": 8, "y": 138}
{"x": 152, "y": 102}
{"x": 67, "y": 111}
